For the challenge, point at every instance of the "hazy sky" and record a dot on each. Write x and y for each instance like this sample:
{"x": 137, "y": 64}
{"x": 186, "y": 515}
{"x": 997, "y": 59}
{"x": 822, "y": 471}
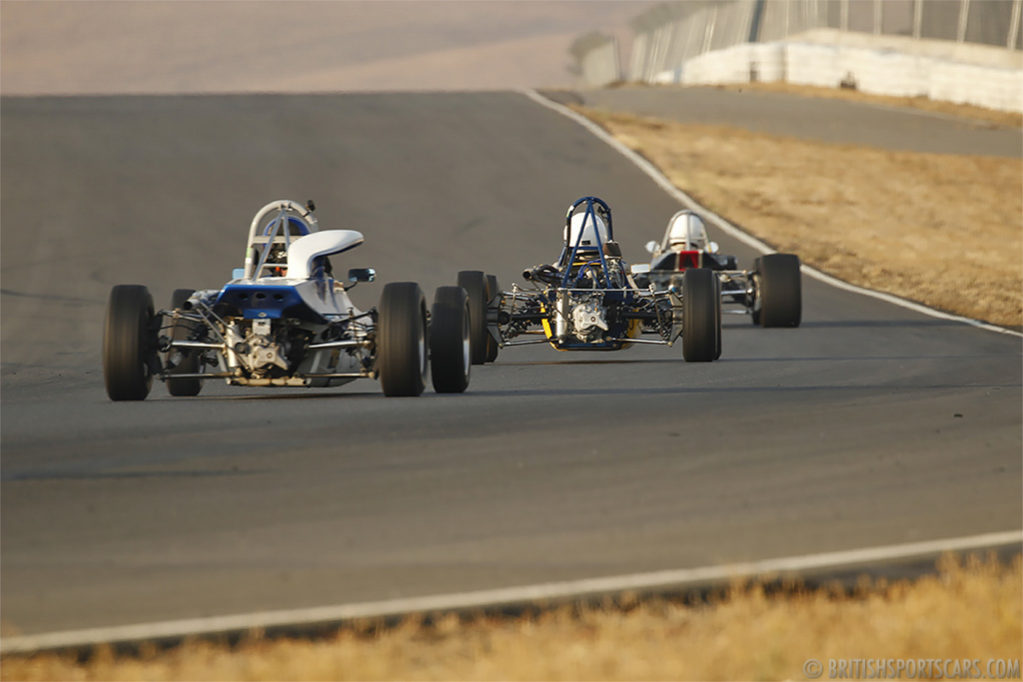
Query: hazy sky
{"x": 244, "y": 46}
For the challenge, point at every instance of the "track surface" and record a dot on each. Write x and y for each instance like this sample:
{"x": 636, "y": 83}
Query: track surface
{"x": 867, "y": 426}
{"x": 810, "y": 118}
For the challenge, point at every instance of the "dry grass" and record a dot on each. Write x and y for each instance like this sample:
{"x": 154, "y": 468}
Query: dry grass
{"x": 968, "y": 610}
{"x": 941, "y": 229}
{"x": 1006, "y": 119}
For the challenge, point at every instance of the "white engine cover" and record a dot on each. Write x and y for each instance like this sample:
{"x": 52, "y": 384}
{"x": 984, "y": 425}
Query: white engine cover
{"x": 328, "y": 242}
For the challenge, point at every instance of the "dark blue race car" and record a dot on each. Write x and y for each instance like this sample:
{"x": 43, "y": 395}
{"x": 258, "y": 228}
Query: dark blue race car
{"x": 588, "y": 300}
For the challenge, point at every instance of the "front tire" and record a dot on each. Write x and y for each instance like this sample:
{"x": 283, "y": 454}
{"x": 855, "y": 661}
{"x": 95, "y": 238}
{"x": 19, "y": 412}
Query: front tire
{"x": 475, "y": 284}
{"x": 189, "y": 362}
{"x": 700, "y": 316}
{"x": 450, "y": 354}
{"x": 779, "y": 290}
{"x": 129, "y": 343}
{"x": 401, "y": 340}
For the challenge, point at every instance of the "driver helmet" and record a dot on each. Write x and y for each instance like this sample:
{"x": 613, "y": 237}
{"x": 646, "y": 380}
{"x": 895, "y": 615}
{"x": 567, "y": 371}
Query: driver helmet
{"x": 594, "y": 227}
{"x": 277, "y": 260}
{"x": 278, "y": 254}
{"x": 686, "y": 232}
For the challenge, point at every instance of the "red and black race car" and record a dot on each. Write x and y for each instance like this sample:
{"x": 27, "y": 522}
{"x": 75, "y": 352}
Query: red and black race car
{"x": 771, "y": 292}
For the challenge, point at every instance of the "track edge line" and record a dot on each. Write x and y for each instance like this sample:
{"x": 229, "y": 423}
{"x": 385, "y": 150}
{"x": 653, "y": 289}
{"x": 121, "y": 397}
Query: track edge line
{"x": 339, "y": 613}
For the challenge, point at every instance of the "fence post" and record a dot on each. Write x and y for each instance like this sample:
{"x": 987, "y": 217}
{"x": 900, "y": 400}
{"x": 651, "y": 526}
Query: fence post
{"x": 964, "y": 15}
{"x": 708, "y": 35}
{"x": 1017, "y": 10}
{"x": 757, "y": 16}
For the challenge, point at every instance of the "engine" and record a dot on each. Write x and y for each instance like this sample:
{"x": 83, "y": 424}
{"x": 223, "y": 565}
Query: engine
{"x": 582, "y": 315}
{"x": 264, "y": 351}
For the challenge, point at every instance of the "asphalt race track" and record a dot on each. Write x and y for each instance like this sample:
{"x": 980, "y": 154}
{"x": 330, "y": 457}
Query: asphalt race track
{"x": 869, "y": 425}
{"x": 811, "y": 118}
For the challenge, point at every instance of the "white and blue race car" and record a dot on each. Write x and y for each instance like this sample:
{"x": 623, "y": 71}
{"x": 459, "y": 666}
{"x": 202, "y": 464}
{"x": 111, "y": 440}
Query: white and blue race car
{"x": 283, "y": 320}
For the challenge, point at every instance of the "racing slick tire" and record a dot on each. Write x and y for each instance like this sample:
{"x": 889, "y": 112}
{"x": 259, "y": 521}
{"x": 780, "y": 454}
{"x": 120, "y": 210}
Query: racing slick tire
{"x": 779, "y": 291}
{"x": 717, "y": 323}
{"x": 129, "y": 343}
{"x": 699, "y": 315}
{"x": 402, "y": 340}
{"x": 754, "y": 308}
{"x": 450, "y": 355}
{"x": 493, "y": 289}
{"x": 475, "y": 284}
{"x": 189, "y": 362}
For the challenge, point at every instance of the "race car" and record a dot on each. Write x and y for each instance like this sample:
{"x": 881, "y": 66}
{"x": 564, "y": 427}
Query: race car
{"x": 587, "y": 300}
{"x": 283, "y": 320}
{"x": 771, "y": 293}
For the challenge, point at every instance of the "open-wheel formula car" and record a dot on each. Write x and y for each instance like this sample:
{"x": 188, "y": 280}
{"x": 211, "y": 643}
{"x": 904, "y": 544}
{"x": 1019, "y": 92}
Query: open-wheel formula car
{"x": 587, "y": 300}
{"x": 771, "y": 293}
{"x": 283, "y": 320}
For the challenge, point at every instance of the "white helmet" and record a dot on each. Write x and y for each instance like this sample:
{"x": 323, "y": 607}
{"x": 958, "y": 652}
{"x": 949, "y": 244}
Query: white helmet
{"x": 687, "y": 231}
{"x": 589, "y": 232}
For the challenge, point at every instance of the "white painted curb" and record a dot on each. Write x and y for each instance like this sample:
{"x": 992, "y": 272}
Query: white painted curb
{"x": 677, "y": 578}
{"x": 733, "y": 231}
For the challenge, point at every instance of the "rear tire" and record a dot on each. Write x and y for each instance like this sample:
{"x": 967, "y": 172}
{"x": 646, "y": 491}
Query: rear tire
{"x": 129, "y": 343}
{"x": 779, "y": 290}
{"x": 493, "y": 289}
{"x": 475, "y": 284}
{"x": 700, "y": 317}
{"x": 450, "y": 355}
{"x": 401, "y": 340}
{"x": 189, "y": 363}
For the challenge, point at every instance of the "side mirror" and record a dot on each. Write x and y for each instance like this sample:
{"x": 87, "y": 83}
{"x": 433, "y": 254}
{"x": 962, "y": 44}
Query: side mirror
{"x": 713, "y": 247}
{"x": 361, "y": 275}
{"x": 651, "y": 246}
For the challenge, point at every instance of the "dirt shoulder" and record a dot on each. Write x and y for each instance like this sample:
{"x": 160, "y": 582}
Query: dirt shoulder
{"x": 965, "y": 612}
{"x": 944, "y": 230}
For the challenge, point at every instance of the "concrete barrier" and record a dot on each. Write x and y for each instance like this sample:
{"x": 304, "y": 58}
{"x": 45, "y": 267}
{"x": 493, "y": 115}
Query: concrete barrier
{"x": 885, "y": 65}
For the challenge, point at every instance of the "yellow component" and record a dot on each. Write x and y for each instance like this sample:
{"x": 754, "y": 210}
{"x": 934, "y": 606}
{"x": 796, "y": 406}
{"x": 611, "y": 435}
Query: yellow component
{"x": 547, "y": 328}
{"x": 634, "y": 330}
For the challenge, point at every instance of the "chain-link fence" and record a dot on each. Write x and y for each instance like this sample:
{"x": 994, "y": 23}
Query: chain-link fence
{"x": 968, "y": 51}
{"x": 669, "y": 34}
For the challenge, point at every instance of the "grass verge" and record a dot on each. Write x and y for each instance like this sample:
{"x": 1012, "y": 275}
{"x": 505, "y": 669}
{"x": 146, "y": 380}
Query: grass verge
{"x": 940, "y": 229}
{"x": 969, "y": 609}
